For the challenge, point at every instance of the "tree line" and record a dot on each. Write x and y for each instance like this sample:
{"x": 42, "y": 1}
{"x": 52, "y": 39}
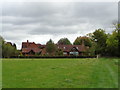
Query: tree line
{"x": 7, "y": 49}
{"x": 99, "y": 42}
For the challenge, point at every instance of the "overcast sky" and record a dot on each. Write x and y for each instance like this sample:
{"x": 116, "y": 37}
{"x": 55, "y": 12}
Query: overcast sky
{"x": 40, "y": 21}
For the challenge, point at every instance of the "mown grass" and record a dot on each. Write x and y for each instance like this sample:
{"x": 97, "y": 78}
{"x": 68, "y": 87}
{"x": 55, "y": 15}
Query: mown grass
{"x": 60, "y": 73}
{"x": 0, "y": 73}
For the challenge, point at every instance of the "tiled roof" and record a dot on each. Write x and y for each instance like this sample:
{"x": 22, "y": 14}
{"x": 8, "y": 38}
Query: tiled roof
{"x": 67, "y": 48}
{"x": 38, "y": 45}
{"x": 27, "y": 50}
{"x": 43, "y": 46}
{"x": 28, "y": 46}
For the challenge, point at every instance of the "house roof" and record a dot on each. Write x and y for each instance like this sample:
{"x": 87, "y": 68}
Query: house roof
{"x": 68, "y": 48}
{"x": 43, "y": 46}
{"x": 27, "y": 50}
{"x": 28, "y": 46}
{"x": 38, "y": 45}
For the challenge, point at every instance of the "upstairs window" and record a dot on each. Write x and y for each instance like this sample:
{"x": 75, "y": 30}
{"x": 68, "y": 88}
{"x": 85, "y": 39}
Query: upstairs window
{"x": 24, "y": 46}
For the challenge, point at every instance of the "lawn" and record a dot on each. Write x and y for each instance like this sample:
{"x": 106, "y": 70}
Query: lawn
{"x": 60, "y": 73}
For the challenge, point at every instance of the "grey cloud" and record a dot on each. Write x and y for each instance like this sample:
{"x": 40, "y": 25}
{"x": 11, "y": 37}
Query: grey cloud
{"x": 40, "y": 18}
{"x": 55, "y": 30}
{"x": 28, "y": 9}
{"x": 13, "y": 35}
{"x": 119, "y": 12}
{"x": 47, "y": 13}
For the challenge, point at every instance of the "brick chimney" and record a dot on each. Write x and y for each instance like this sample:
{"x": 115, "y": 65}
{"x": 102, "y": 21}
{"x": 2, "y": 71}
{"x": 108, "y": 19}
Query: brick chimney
{"x": 27, "y": 43}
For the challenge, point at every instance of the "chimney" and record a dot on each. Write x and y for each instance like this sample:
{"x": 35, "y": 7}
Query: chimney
{"x": 27, "y": 43}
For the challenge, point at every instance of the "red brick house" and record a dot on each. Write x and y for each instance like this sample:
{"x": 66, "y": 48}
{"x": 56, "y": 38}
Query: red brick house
{"x": 73, "y": 49}
{"x": 30, "y": 48}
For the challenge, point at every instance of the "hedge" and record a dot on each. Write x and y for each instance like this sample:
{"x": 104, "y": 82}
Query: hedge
{"x": 53, "y": 57}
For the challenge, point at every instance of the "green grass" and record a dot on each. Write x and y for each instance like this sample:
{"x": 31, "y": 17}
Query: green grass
{"x": 60, "y": 73}
{"x": 0, "y": 73}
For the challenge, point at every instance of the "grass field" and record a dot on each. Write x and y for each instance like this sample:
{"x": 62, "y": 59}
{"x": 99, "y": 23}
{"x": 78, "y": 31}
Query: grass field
{"x": 60, "y": 73}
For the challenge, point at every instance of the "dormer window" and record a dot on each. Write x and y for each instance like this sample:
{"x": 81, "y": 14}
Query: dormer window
{"x": 77, "y": 47}
{"x": 64, "y": 47}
